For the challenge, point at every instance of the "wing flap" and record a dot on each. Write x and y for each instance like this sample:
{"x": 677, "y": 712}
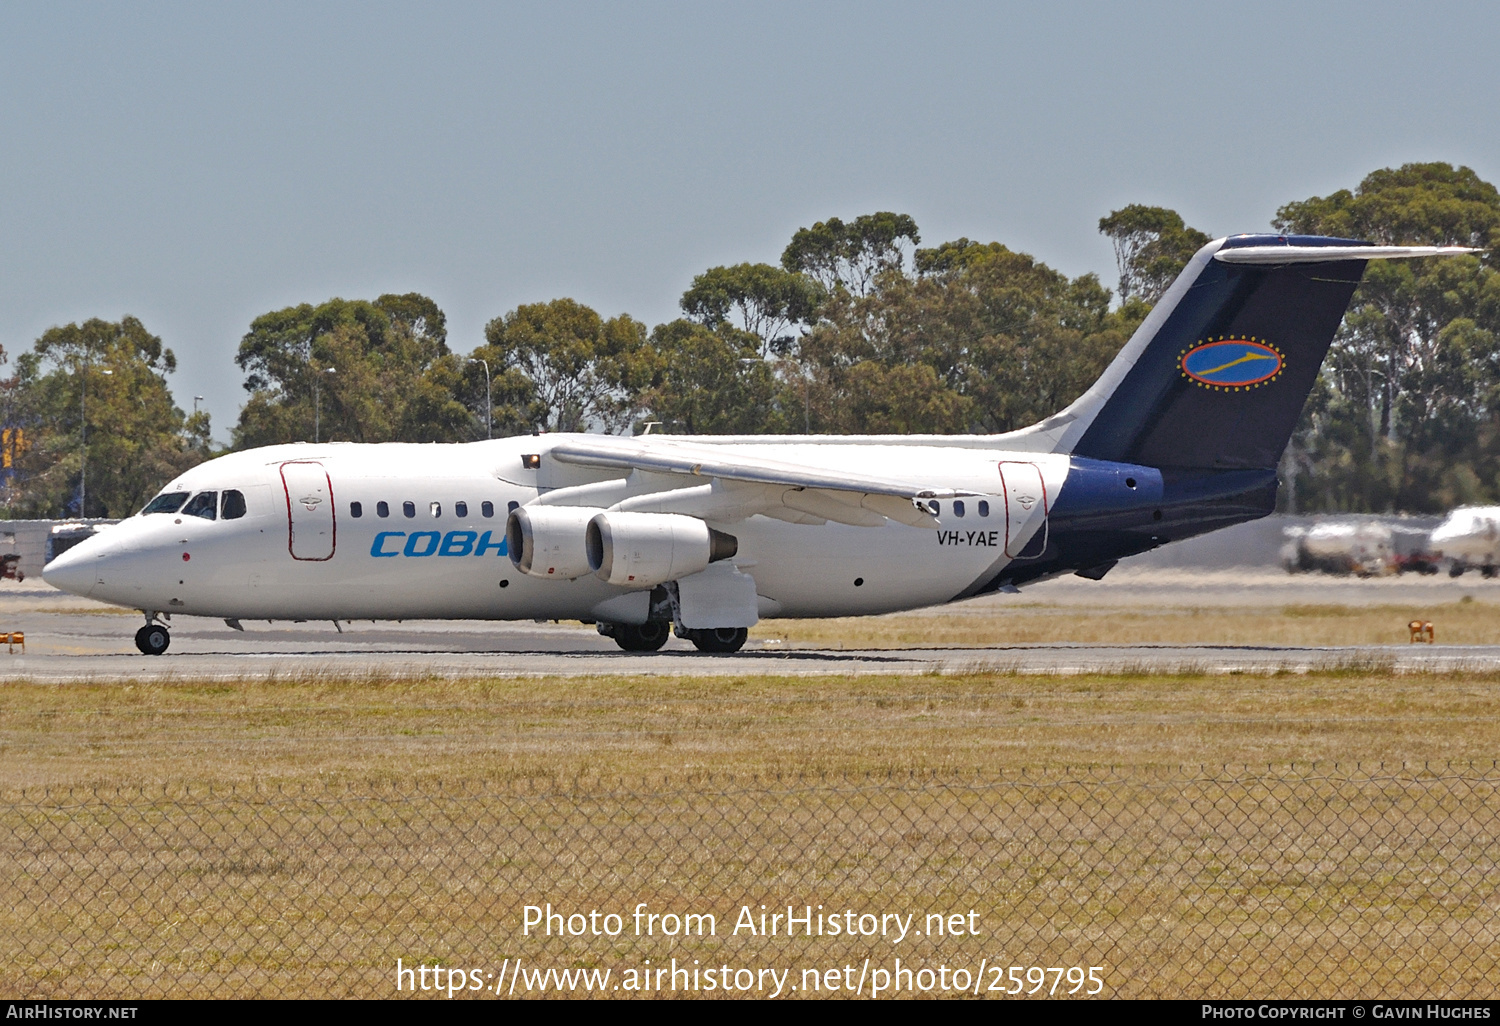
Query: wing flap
{"x": 788, "y": 491}
{"x": 737, "y": 501}
{"x": 842, "y": 507}
{"x": 709, "y": 461}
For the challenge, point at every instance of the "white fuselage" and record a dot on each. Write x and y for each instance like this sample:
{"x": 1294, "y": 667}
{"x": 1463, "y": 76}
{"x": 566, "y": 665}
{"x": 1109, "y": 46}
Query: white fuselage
{"x": 297, "y": 553}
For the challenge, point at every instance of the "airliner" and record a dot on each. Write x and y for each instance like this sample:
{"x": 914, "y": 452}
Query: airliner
{"x": 702, "y": 537}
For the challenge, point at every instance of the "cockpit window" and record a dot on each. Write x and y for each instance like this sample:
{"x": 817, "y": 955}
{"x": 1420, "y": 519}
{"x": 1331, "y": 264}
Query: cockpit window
{"x": 204, "y": 504}
{"x": 234, "y": 504}
{"x": 166, "y": 502}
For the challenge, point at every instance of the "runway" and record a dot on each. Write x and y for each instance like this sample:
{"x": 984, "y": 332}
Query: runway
{"x": 70, "y": 639}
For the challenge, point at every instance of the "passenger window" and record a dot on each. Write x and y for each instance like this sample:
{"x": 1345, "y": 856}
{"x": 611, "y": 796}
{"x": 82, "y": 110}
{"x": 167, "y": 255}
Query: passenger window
{"x": 984, "y": 508}
{"x": 460, "y": 509}
{"x": 382, "y": 509}
{"x": 958, "y": 507}
{"x": 356, "y": 510}
{"x": 408, "y": 509}
{"x": 234, "y": 504}
{"x": 934, "y": 508}
{"x": 486, "y": 509}
{"x": 512, "y": 506}
{"x": 204, "y": 504}
{"x": 437, "y": 509}
{"x": 166, "y": 502}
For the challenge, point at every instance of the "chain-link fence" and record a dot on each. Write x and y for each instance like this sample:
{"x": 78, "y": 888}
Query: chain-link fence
{"x": 1318, "y": 881}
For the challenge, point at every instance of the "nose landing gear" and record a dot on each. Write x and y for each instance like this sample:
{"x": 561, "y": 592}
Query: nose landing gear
{"x": 152, "y": 639}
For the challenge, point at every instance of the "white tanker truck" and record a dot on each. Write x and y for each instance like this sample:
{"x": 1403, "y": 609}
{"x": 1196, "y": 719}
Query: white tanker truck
{"x": 1469, "y": 538}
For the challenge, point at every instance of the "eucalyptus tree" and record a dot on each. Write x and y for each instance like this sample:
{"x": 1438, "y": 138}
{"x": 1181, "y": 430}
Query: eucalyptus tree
{"x": 1409, "y": 413}
{"x": 1152, "y": 246}
{"x": 354, "y": 370}
{"x": 571, "y": 363}
{"x": 98, "y": 430}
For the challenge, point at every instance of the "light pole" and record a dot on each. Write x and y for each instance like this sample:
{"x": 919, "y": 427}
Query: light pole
{"x": 806, "y": 399}
{"x": 318, "y": 404}
{"x": 83, "y": 437}
{"x": 196, "y": 400}
{"x": 489, "y": 411}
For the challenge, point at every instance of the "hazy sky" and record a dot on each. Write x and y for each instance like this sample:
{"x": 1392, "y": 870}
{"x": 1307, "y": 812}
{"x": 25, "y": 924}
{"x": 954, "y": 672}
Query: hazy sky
{"x": 199, "y": 164}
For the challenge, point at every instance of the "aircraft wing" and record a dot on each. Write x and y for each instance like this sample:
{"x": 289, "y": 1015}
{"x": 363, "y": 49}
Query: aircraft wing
{"x": 845, "y": 496}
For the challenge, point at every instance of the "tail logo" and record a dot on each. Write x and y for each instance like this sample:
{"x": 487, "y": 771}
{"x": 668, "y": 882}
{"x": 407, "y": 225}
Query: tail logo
{"x": 1232, "y": 364}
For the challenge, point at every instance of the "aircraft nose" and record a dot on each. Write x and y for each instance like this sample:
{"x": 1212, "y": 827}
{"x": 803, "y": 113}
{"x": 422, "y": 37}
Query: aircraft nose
{"x": 73, "y": 571}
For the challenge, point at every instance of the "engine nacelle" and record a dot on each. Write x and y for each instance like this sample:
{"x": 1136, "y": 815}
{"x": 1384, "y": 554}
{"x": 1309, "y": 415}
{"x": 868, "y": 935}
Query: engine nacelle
{"x": 548, "y": 541}
{"x": 640, "y": 550}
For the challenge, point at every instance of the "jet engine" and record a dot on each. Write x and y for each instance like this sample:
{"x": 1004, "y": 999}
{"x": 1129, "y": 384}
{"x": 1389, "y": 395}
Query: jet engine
{"x": 639, "y": 550}
{"x": 547, "y": 541}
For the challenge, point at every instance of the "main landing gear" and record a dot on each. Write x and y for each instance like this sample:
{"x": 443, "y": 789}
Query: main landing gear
{"x": 152, "y": 639}
{"x": 664, "y": 621}
{"x": 652, "y": 635}
{"x": 718, "y": 640}
{"x": 645, "y": 637}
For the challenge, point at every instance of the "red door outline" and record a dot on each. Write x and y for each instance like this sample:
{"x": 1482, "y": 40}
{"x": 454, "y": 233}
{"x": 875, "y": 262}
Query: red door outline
{"x": 333, "y": 542}
{"x": 1030, "y": 469}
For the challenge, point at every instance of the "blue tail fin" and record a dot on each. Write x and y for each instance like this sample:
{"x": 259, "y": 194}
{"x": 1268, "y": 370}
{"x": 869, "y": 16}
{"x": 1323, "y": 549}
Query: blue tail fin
{"x": 1217, "y": 376}
{"x": 1199, "y": 404}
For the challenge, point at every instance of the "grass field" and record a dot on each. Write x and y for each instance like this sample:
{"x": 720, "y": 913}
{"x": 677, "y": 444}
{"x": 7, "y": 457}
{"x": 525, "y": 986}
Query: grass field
{"x": 297, "y": 835}
{"x": 1176, "y": 621}
{"x": 483, "y": 729}
{"x": 1230, "y": 882}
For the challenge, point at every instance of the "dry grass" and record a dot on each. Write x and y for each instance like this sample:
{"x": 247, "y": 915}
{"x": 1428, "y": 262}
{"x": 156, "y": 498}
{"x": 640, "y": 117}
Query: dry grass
{"x": 375, "y": 818}
{"x": 1456, "y": 623}
{"x": 1240, "y": 883}
{"x": 490, "y": 729}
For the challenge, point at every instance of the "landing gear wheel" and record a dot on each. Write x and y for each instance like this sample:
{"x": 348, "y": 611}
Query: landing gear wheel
{"x": 719, "y": 640}
{"x": 152, "y": 639}
{"x": 645, "y": 637}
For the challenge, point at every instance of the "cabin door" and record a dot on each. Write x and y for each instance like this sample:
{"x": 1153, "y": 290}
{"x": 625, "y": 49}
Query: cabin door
{"x": 1025, "y": 510}
{"x": 309, "y": 510}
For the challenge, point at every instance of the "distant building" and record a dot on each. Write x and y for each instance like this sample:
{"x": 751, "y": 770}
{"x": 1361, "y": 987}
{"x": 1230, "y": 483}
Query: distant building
{"x": 38, "y": 541}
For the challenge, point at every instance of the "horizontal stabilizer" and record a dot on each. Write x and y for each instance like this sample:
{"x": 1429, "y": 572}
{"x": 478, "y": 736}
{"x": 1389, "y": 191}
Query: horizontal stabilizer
{"x": 1290, "y": 254}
